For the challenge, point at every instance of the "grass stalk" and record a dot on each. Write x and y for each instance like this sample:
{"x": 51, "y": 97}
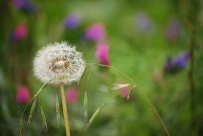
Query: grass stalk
{"x": 65, "y": 112}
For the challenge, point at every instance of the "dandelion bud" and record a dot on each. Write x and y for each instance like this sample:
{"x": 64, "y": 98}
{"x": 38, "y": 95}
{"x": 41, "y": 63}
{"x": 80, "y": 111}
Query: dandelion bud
{"x": 59, "y": 64}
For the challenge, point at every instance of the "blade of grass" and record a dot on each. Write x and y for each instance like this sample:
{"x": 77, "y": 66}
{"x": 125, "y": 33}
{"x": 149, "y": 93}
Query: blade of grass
{"x": 93, "y": 117}
{"x": 19, "y": 128}
{"x": 58, "y": 113}
{"x": 129, "y": 94}
{"x": 88, "y": 78}
{"x": 30, "y": 115}
{"x": 82, "y": 76}
{"x": 31, "y": 111}
{"x": 85, "y": 107}
{"x": 44, "y": 122}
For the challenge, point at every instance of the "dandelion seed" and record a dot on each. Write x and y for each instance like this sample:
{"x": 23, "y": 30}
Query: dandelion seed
{"x": 60, "y": 63}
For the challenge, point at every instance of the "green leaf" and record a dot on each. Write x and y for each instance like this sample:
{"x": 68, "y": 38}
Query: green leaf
{"x": 82, "y": 75}
{"x": 93, "y": 117}
{"x": 57, "y": 112}
{"x": 85, "y": 107}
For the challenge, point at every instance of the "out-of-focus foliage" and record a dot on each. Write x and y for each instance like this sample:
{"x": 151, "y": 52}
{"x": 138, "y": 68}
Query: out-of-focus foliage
{"x": 144, "y": 39}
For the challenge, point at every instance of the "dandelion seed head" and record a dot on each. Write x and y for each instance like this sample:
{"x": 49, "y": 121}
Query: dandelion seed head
{"x": 59, "y": 63}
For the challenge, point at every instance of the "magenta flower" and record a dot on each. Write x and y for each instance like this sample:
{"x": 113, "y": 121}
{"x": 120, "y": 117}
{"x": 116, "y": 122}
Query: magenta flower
{"x": 23, "y": 95}
{"x": 72, "y": 21}
{"x": 72, "y": 94}
{"x": 96, "y": 32}
{"x": 20, "y": 32}
{"x": 102, "y": 53}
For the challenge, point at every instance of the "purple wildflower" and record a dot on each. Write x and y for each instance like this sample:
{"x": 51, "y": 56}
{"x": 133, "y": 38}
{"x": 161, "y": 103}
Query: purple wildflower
{"x": 72, "y": 21}
{"x": 181, "y": 60}
{"x": 96, "y": 32}
{"x": 25, "y": 5}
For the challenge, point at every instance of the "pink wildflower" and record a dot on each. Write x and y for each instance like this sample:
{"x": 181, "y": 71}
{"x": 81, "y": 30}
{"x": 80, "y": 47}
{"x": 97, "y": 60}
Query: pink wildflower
{"x": 22, "y": 95}
{"x": 96, "y": 32}
{"x": 20, "y": 32}
{"x": 102, "y": 53}
{"x": 71, "y": 94}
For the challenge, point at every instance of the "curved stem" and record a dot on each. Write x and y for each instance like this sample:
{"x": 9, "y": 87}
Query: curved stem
{"x": 65, "y": 112}
{"x": 135, "y": 85}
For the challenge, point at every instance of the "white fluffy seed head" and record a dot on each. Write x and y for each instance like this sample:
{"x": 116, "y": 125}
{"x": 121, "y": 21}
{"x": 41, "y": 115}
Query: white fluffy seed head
{"x": 59, "y": 64}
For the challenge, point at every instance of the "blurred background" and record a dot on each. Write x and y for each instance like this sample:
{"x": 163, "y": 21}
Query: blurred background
{"x": 157, "y": 43}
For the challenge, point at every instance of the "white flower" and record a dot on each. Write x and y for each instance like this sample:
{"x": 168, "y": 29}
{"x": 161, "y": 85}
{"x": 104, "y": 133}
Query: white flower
{"x": 59, "y": 64}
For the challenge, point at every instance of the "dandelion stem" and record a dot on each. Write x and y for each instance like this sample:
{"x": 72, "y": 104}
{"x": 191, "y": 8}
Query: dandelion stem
{"x": 65, "y": 112}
